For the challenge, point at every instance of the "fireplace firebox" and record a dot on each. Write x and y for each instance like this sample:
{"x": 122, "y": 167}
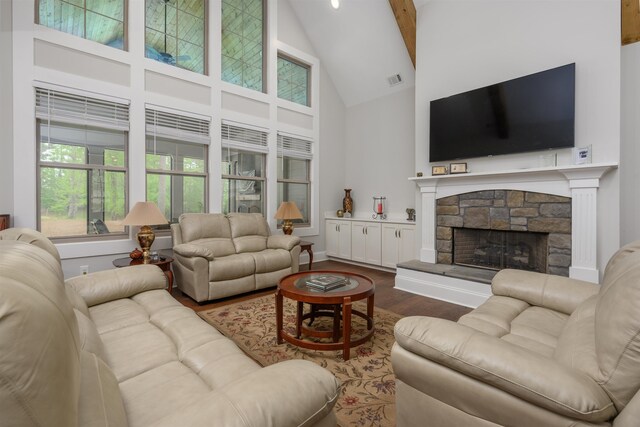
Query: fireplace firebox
{"x": 498, "y": 249}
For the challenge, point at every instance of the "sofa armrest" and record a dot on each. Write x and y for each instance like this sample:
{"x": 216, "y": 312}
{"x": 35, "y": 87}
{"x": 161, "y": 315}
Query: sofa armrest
{"x": 283, "y": 241}
{"x": 543, "y": 290}
{"x": 190, "y": 250}
{"x": 529, "y": 376}
{"x": 287, "y": 394}
{"x": 103, "y": 286}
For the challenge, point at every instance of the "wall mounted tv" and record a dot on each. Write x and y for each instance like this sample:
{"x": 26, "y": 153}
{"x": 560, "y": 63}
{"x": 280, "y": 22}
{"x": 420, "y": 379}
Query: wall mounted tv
{"x": 530, "y": 113}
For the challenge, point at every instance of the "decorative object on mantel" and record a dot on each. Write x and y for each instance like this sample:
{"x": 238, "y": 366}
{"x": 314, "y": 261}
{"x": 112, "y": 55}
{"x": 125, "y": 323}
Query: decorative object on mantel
{"x": 135, "y": 254}
{"x": 582, "y": 155}
{"x": 548, "y": 160}
{"x": 458, "y": 168}
{"x": 418, "y": 174}
{"x": 379, "y": 207}
{"x": 340, "y": 213}
{"x": 411, "y": 214}
{"x": 346, "y": 215}
{"x": 286, "y": 212}
{"x": 438, "y": 170}
{"x": 347, "y": 202}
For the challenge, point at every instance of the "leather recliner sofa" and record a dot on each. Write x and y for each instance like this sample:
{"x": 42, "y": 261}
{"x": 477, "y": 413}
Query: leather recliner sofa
{"x": 219, "y": 255}
{"x": 114, "y": 349}
{"x": 543, "y": 350}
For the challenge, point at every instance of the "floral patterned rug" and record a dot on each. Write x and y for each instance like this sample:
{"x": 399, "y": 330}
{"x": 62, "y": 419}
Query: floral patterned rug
{"x": 368, "y": 383}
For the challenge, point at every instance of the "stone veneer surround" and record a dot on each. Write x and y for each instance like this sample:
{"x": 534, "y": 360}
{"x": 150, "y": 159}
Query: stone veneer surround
{"x": 508, "y": 210}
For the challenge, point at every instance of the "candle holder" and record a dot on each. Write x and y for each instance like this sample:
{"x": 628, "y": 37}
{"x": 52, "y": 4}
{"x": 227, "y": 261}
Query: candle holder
{"x": 379, "y": 206}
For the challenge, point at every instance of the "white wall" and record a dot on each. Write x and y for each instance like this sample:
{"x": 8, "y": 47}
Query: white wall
{"x": 6, "y": 116}
{"x": 462, "y": 45}
{"x": 630, "y": 144}
{"x": 379, "y": 154}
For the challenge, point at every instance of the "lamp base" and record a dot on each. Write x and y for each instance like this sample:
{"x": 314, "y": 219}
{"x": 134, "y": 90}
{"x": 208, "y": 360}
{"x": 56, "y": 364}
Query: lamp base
{"x": 146, "y": 238}
{"x": 287, "y": 227}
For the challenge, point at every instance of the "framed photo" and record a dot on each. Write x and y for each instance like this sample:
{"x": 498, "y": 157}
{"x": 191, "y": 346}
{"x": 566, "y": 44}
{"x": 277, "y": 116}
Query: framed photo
{"x": 438, "y": 170}
{"x": 458, "y": 168}
{"x": 582, "y": 155}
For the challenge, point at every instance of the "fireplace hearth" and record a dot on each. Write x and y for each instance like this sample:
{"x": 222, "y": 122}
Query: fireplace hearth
{"x": 497, "y": 249}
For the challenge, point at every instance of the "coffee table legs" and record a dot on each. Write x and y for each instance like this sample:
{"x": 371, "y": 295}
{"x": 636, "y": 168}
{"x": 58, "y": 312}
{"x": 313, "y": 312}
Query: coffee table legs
{"x": 346, "y": 327}
{"x": 279, "y": 317}
{"x": 299, "y": 319}
{"x": 370, "y": 312}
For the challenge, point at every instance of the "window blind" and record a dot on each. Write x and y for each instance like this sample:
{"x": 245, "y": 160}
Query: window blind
{"x": 64, "y": 107}
{"x": 244, "y": 138}
{"x": 290, "y": 146}
{"x": 177, "y": 126}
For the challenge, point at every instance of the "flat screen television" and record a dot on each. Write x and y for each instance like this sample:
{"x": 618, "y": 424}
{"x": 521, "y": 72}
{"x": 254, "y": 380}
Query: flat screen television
{"x": 530, "y": 113}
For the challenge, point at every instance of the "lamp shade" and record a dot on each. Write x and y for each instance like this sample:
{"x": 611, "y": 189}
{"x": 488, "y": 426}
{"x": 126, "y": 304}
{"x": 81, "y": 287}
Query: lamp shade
{"x": 144, "y": 213}
{"x": 288, "y": 210}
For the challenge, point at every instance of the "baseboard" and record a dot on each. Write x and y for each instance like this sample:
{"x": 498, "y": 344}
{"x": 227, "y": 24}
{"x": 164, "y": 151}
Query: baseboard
{"x": 317, "y": 257}
{"x": 450, "y": 289}
{"x": 360, "y": 264}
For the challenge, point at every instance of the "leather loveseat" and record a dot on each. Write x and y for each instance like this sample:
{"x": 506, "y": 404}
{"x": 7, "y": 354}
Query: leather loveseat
{"x": 542, "y": 351}
{"x": 219, "y": 255}
{"x": 114, "y": 349}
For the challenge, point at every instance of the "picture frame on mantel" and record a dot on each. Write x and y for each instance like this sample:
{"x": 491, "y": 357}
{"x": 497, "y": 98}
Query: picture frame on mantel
{"x": 455, "y": 168}
{"x": 438, "y": 170}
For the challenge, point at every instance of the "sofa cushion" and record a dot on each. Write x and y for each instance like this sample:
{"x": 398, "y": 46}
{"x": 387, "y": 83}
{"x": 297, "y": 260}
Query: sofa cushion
{"x": 100, "y": 403}
{"x": 89, "y": 338}
{"x": 537, "y": 329}
{"x": 494, "y": 316}
{"x": 196, "y": 226}
{"x": 271, "y": 260}
{"x": 217, "y": 245}
{"x": 249, "y": 232}
{"x": 231, "y": 267}
{"x": 576, "y": 347}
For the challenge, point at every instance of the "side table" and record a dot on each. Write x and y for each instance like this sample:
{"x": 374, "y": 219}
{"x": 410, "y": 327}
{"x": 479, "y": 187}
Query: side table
{"x": 307, "y": 246}
{"x": 164, "y": 264}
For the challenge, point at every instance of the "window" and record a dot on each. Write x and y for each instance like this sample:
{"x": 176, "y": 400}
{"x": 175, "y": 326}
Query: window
{"x": 175, "y": 33}
{"x": 242, "y": 43}
{"x": 294, "y": 170}
{"x": 97, "y": 20}
{"x": 293, "y": 80}
{"x": 82, "y": 158}
{"x": 176, "y": 163}
{"x": 243, "y": 169}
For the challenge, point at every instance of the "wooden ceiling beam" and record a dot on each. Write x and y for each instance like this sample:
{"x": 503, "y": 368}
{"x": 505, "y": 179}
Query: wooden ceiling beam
{"x": 405, "y": 13}
{"x": 630, "y": 21}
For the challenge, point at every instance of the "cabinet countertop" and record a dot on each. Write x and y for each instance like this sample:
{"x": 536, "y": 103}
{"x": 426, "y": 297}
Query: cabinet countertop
{"x": 365, "y": 219}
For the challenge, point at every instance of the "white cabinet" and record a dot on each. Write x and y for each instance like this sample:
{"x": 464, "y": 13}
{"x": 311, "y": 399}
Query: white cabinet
{"x": 398, "y": 244}
{"x": 365, "y": 242}
{"x": 338, "y": 234}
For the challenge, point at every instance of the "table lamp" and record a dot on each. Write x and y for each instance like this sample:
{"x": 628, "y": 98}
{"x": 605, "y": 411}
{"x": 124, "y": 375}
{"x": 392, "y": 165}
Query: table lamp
{"x": 286, "y": 212}
{"x": 145, "y": 214}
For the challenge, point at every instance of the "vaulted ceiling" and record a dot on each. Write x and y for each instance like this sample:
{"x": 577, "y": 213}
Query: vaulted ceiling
{"x": 359, "y": 44}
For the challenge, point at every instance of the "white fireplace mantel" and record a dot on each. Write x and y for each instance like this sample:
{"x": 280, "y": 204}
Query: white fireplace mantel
{"x": 580, "y": 182}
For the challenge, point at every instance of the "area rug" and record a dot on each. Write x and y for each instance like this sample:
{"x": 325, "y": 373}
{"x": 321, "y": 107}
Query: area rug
{"x": 368, "y": 383}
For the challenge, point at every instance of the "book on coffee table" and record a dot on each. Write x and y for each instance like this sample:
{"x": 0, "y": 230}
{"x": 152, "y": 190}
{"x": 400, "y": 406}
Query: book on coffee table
{"x": 327, "y": 283}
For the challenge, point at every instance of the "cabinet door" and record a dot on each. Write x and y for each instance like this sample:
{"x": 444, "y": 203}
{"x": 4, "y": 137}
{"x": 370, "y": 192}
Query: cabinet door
{"x": 407, "y": 243}
{"x": 358, "y": 241}
{"x": 389, "y": 245}
{"x": 372, "y": 233}
{"x": 344, "y": 231}
{"x": 333, "y": 238}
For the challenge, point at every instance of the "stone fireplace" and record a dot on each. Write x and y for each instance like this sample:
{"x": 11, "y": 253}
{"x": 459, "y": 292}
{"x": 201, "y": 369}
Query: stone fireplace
{"x": 505, "y": 229}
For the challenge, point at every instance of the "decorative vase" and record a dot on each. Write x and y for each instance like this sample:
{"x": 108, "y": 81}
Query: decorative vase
{"x": 136, "y": 254}
{"x": 347, "y": 202}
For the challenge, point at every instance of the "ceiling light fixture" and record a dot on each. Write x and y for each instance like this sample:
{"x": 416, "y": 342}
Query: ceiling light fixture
{"x": 335, "y": 3}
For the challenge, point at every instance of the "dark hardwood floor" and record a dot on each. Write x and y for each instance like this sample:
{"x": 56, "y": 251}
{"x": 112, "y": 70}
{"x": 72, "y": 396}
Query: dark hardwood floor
{"x": 386, "y": 297}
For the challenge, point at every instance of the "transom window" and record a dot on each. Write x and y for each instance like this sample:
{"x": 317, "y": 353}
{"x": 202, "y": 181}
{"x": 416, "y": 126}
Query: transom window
{"x": 243, "y": 43}
{"x": 176, "y": 163}
{"x": 293, "y": 80}
{"x": 102, "y": 21}
{"x": 175, "y": 33}
{"x": 82, "y": 158}
{"x": 294, "y": 171}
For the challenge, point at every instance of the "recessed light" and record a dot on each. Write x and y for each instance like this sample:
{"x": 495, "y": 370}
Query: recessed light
{"x": 335, "y": 3}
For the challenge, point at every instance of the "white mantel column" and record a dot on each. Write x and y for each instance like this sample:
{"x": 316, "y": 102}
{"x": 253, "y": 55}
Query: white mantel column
{"x": 584, "y": 225}
{"x": 428, "y": 251}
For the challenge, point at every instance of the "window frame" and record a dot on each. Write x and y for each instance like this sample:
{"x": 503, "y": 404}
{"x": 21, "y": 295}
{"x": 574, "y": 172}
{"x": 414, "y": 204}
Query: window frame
{"x": 88, "y": 168}
{"x": 262, "y": 179}
{"x": 294, "y": 181}
{"x": 125, "y": 22}
{"x": 308, "y": 67}
{"x": 205, "y": 70}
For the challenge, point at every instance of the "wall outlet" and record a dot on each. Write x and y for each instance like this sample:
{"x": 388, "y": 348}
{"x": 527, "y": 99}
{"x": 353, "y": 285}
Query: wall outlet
{"x": 84, "y": 269}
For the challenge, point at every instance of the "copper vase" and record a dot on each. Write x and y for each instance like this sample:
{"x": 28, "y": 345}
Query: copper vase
{"x": 347, "y": 202}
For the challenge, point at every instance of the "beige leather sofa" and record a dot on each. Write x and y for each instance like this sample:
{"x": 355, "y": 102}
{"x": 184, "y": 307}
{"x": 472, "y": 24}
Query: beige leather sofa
{"x": 542, "y": 351}
{"x": 219, "y": 255}
{"x": 114, "y": 349}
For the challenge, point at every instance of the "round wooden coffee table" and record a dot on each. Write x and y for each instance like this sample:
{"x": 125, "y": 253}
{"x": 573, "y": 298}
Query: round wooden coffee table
{"x": 340, "y": 300}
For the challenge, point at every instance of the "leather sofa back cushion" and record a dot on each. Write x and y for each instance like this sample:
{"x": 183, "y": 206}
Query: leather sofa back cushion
{"x": 37, "y": 319}
{"x": 218, "y": 246}
{"x": 250, "y": 244}
{"x": 248, "y": 225}
{"x": 33, "y": 237}
{"x": 617, "y": 328}
{"x": 204, "y": 226}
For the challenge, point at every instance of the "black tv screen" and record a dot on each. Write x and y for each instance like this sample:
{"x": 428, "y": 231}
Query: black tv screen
{"x": 530, "y": 113}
